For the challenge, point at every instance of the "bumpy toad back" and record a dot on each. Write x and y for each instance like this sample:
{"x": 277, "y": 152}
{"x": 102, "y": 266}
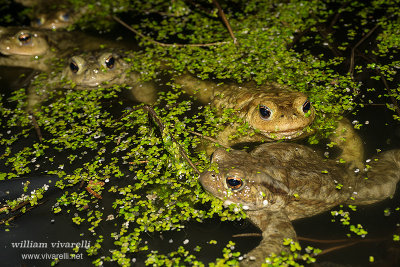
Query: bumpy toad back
{"x": 280, "y": 182}
{"x": 280, "y": 176}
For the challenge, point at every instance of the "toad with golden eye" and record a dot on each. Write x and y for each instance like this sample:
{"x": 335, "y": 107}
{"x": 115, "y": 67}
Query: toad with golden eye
{"x": 89, "y": 70}
{"x": 23, "y": 42}
{"x": 105, "y": 69}
{"x": 281, "y": 182}
{"x": 273, "y": 110}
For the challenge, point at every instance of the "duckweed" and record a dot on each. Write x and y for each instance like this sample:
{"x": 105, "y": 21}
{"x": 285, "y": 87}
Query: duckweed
{"x": 152, "y": 188}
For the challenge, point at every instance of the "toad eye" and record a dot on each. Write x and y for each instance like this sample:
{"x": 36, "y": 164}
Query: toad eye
{"x": 77, "y": 65}
{"x": 211, "y": 157}
{"x": 39, "y": 21}
{"x": 25, "y": 38}
{"x": 73, "y": 66}
{"x": 306, "y": 106}
{"x": 234, "y": 183}
{"x": 110, "y": 61}
{"x": 265, "y": 112}
{"x": 64, "y": 16}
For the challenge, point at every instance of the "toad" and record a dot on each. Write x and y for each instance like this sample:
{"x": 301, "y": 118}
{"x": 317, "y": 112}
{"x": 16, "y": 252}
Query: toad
{"x": 55, "y": 14}
{"x": 280, "y": 182}
{"x": 94, "y": 69}
{"x": 35, "y": 48}
{"x": 52, "y": 14}
{"x": 22, "y": 47}
{"x": 54, "y": 19}
{"x": 274, "y": 111}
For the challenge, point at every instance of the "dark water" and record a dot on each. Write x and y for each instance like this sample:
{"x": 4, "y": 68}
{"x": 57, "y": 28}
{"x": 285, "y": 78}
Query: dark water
{"x": 42, "y": 226}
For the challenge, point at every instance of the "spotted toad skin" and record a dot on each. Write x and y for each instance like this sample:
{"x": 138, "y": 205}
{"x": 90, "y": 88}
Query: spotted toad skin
{"x": 290, "y": 114}
{"x": 281, "y": 182}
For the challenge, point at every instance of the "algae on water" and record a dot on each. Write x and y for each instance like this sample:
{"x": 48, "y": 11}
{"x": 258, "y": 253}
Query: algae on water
{"x": 330, "y": 50}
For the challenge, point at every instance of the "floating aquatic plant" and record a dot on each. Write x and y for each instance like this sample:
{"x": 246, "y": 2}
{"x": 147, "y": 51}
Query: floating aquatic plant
{"x": 101, "y": 146}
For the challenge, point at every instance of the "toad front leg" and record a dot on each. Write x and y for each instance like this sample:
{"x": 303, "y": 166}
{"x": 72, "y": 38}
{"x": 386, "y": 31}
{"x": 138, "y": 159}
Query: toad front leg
{"x": 144, "y": 92}
{"x": 350, "y": 142}
{"x": 276, "y": 227}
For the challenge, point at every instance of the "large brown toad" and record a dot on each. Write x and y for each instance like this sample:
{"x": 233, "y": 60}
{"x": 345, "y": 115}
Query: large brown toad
{"x": 274, "y": 111}
{"x": 281, "y": 182}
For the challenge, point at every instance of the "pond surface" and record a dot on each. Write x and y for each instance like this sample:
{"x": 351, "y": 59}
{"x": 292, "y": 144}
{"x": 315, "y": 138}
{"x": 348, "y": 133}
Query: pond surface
{"x": 42, "y": 233}
{"x": 41, "y": 226}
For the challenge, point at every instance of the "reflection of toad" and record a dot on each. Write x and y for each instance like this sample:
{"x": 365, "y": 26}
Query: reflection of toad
{"x": 275, "y": 111}
{"x": 281, "y": 182}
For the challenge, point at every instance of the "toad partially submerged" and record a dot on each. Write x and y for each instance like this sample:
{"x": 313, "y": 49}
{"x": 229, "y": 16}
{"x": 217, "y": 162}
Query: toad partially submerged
{"x": 52, "y": 14}
{"x": 55, "y": 14}
{"x": 281, "y": 182}
{"x": 274, "y": 111}
{"x": 94, "y": 69}
{"x": 35, "y": 48}
{"x": 54, "y": 19}
{"x": 25, "y": 47}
